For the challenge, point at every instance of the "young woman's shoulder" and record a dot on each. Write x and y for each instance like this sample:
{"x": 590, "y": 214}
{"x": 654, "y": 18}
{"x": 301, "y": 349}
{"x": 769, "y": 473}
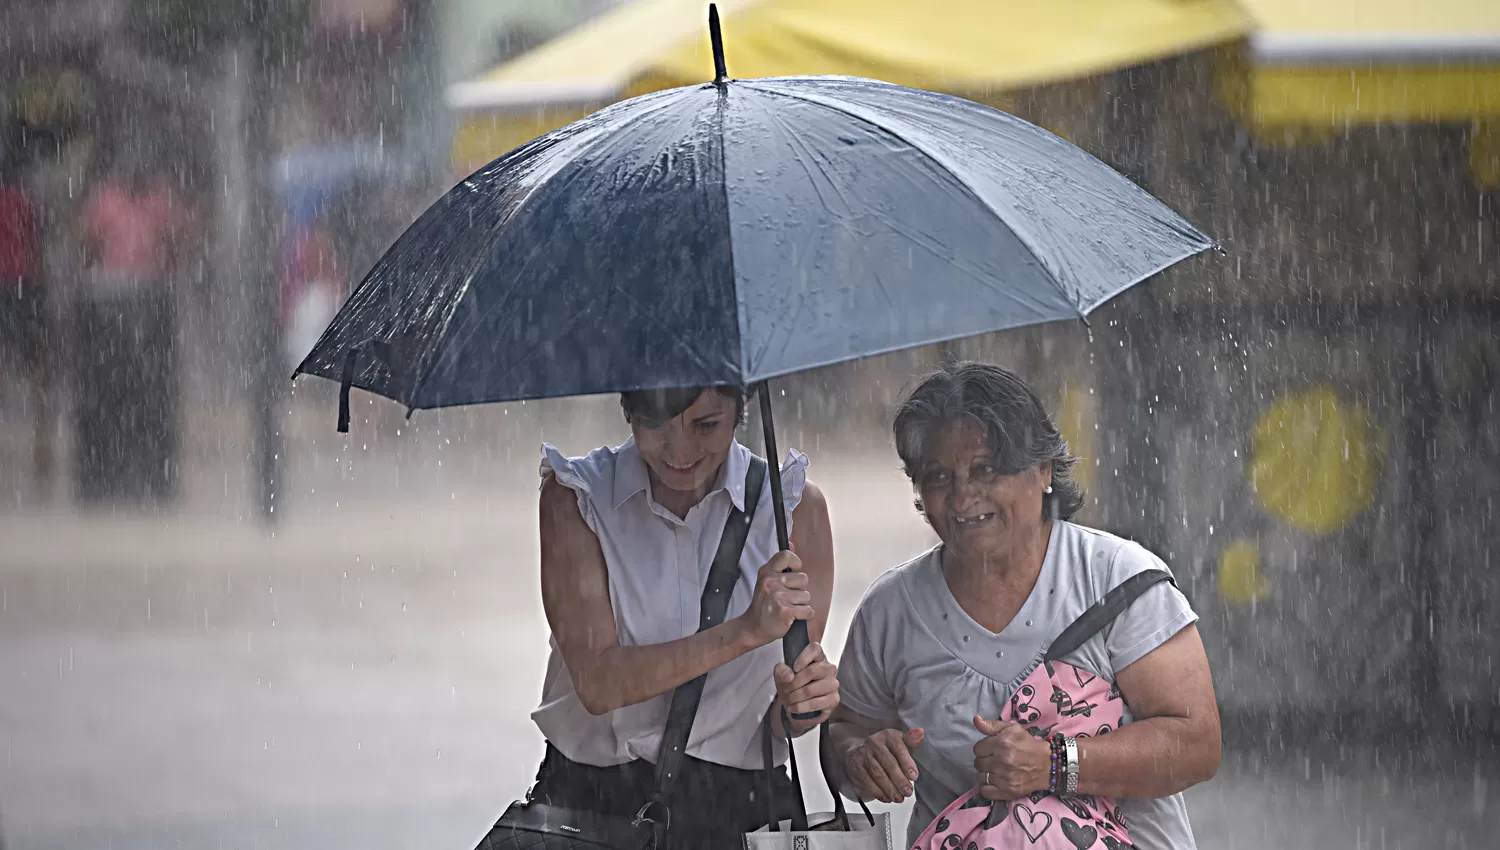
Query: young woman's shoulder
{"x": 588, "y": 477}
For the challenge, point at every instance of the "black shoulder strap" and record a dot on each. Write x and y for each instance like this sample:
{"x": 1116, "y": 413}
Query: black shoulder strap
{"x": 714, "y": 605}
{"x": 1104, "y": 612}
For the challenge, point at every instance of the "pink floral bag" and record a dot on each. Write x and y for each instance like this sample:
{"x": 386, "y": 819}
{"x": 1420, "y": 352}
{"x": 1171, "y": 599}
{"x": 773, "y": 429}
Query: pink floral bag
{"x": 1053, "y": 698}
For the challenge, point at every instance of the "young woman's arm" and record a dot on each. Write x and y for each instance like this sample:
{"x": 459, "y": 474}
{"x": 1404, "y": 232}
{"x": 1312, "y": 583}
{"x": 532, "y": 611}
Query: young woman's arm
{"x": 606, "y": 675}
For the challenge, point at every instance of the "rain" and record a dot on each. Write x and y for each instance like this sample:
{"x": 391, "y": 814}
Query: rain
{"x": 225, "y": 622}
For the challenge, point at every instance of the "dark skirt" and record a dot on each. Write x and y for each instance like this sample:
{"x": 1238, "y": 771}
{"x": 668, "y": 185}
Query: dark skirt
{"x": 712, "y": 805}
{"x": 125, "y": 409}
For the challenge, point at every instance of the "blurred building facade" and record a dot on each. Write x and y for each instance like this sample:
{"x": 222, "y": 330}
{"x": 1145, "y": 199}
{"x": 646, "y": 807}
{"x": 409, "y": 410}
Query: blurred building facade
{"x": 1301, "y": 425}
{"x": 305, "y": 134}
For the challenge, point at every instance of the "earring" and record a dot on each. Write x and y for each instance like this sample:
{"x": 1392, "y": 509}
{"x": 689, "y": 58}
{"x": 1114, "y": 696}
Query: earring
{"x": 1048, "y": 490}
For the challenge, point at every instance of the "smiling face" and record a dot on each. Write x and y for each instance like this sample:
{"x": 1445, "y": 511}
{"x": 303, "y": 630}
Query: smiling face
{"x": 684, "y": 453}
{"x": 974, "y": 507}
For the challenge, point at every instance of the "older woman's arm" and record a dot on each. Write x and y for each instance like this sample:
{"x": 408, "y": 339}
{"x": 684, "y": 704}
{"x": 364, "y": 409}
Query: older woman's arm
{"x": 1172, "y": 745}
{"x": 1174, "y": 742}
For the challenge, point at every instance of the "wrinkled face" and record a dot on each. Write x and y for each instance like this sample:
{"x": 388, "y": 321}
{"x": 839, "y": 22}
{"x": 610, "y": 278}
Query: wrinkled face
{"x": 973, "y": 507}
{"x": 684, "y": 453}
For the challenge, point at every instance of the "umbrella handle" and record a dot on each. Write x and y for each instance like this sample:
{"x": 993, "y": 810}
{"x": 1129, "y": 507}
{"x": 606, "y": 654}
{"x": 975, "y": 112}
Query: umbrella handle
{"x": 796, "y": 638}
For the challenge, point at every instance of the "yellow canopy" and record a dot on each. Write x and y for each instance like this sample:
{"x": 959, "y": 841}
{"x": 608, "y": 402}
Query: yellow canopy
{"x": 970, "y": 47}
{"x": 1335, "y": 62}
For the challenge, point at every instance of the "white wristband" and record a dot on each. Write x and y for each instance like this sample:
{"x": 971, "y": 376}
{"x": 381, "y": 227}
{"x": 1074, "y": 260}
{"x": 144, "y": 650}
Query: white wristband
{"x": 1070, "y": 748}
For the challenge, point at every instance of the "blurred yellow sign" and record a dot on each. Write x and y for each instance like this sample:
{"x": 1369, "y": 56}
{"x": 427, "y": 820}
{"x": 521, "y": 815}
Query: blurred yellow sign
{"x": 1240, "y": 579}
{"x": 1334, "y": 63}
{"x": 1315, "y": 460}
{"x": 1076, "y": 418}
{"x": 976, "y": 48}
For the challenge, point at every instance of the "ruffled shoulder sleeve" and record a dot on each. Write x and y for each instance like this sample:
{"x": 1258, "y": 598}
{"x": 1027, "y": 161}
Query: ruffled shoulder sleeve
{"x": 577, "y": 475}
{"x": 793, "y": 480}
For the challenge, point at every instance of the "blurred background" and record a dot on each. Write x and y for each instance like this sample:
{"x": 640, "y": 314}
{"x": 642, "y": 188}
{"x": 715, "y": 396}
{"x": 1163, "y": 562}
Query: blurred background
{"x": 223, "y": 624}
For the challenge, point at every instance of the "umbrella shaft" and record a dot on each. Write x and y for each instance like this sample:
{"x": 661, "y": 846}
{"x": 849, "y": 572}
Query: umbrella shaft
{"x": 768, "y": 424}
{"x": 796, "y": 638}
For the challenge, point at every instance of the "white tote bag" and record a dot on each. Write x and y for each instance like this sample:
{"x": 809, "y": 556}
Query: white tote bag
{"x": 836, "y": 829}
{"x": 866, "y": 832}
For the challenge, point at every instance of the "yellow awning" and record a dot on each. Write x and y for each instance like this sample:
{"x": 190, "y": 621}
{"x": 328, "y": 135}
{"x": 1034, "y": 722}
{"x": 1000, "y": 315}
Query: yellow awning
{"x": 969, "y": 47}
{"x": 1324, "y": 65}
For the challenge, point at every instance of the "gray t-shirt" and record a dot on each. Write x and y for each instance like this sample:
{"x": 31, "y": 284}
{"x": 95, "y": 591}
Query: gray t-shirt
{"x": 914, "y": 658}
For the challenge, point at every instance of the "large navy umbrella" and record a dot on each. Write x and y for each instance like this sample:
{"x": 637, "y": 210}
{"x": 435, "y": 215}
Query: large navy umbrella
{"x": 735, "y": 231}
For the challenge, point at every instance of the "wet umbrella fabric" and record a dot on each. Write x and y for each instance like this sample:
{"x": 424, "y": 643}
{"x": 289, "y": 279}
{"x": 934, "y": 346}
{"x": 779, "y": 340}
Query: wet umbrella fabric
{"x": 729, "y": 233}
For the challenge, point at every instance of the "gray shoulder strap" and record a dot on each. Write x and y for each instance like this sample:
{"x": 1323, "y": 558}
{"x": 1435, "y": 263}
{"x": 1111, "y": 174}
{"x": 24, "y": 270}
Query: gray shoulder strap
{"x": 1104, "y": 612}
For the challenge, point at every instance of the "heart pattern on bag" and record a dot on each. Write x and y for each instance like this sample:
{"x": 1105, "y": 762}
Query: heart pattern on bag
{"x": 1083, "y": 837}
{"x": 1054, "y": 698}
{"x": 1028, "y": 824}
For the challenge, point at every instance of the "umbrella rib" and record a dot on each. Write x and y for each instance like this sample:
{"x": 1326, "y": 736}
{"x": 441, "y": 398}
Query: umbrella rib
{"x": 973, "y": 273}
{"x": 515, "y": 209}
{"x": 890, "y": 349}
{"x": 940, "y": 160}
{"x": 694, "y": 355}
{"x": 368, "y": 290}
{"x": 802, "y": 161}
{"x": 880, "y": 282}
{"x": 734, "y": 283}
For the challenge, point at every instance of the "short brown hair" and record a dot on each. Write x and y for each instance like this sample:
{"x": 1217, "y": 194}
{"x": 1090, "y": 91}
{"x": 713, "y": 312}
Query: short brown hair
{"x": 669, "y": 402}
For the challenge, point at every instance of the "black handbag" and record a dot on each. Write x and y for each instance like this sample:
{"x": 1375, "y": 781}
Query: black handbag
{"x": 534, "y": 825}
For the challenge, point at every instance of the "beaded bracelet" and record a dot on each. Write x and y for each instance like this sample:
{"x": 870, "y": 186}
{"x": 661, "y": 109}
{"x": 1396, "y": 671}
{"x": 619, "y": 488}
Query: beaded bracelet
{"x": 1057, "y": 779}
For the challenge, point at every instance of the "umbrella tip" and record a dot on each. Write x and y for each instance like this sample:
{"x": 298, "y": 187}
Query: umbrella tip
{"x": 716, "y": 38}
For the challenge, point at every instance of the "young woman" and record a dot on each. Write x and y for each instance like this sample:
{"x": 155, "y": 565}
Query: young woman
{"x": 627, "y": 538}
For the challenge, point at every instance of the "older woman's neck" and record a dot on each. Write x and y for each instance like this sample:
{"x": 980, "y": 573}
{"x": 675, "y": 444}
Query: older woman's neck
{"x": 1016, "y": 564}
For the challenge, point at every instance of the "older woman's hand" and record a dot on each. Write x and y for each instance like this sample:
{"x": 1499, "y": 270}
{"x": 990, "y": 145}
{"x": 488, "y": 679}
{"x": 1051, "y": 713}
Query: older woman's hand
{"x": 811, "y": 686}
{"x": 1011, "y": 761}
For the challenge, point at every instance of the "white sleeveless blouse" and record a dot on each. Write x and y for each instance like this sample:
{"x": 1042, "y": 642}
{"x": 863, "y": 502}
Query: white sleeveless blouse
{"x": 657, "y": 566}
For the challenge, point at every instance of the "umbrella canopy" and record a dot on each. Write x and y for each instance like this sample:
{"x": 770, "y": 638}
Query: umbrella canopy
{"x": 727, "y": 233}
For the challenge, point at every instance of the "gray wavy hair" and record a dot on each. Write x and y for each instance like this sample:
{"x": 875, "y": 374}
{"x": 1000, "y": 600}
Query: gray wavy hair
{"x": 1016, "y": 425}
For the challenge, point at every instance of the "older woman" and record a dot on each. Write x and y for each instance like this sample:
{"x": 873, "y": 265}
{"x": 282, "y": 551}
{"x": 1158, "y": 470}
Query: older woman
{"x": 940, "y": 645}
